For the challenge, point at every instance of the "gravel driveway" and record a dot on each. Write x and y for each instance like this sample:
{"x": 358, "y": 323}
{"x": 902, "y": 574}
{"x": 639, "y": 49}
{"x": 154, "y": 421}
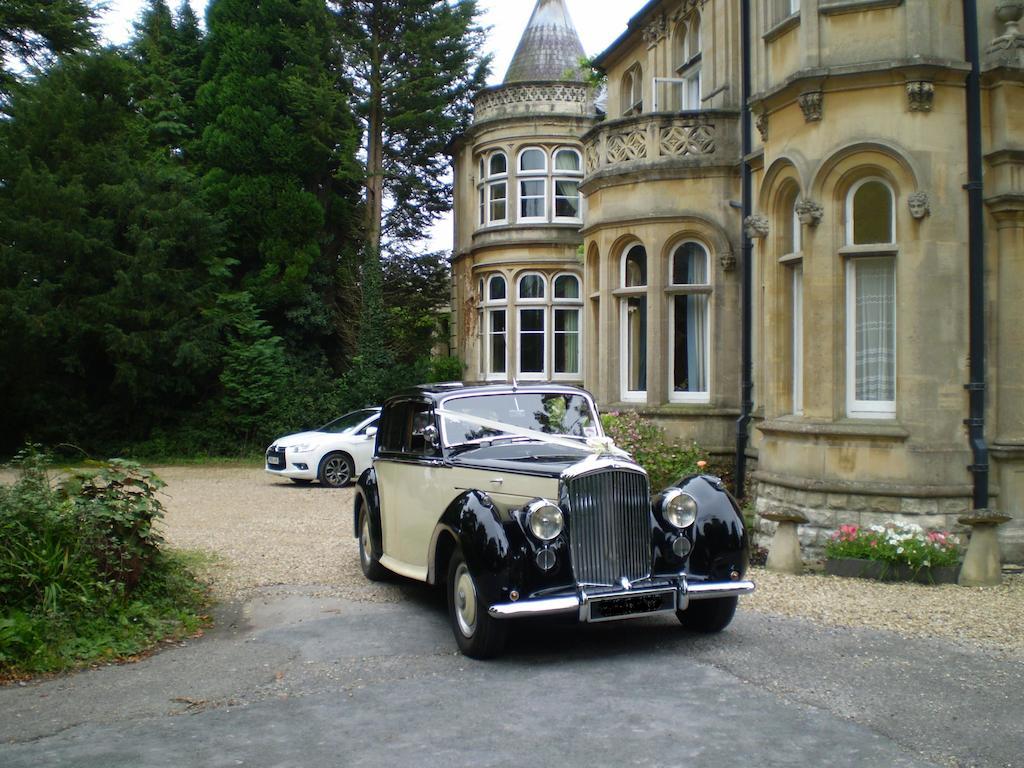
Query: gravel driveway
{"x": 265, "y": 531}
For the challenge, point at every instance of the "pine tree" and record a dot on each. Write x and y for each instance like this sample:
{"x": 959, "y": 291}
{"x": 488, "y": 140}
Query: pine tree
{"x": 415, "y": 64}
{"x": 33, "y": 32}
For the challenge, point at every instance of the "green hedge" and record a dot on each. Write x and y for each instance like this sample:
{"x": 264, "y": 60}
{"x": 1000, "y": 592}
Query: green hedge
{"x": 666, "y": 462}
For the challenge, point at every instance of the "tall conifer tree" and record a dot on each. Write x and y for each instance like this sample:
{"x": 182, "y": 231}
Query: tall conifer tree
{"x": 34, "y": 32}
{"x": 279, "y": 142}
{"x": 415, "y": 65}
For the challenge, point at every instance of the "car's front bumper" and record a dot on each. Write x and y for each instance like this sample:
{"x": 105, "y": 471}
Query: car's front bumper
{"x": 610, "y": 604}
{"x": 293, "y": 465}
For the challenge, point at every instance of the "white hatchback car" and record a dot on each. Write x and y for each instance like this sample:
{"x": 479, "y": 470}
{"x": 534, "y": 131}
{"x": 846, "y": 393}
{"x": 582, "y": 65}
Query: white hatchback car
{"x": 335, "y": 454}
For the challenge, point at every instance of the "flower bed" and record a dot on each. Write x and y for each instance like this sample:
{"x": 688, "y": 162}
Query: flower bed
{"x": 894, "y": 552}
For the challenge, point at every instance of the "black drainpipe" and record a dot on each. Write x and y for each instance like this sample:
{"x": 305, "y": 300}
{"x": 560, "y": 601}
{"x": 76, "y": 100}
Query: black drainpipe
{"x": 746, "y": 262}
{"x": 976, "y": 200}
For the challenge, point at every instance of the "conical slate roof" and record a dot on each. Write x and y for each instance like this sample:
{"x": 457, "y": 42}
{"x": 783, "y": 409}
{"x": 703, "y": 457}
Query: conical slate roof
{"x": 550, "y": 48}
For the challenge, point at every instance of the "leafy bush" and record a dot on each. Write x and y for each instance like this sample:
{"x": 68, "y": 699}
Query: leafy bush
{"x": 645, "y": 441}
{"x": 895, "y": 543}
{"x": 82, "y": 574}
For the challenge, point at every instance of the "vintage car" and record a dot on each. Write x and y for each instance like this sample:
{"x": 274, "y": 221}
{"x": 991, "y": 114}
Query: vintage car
{"x": 512, "y": 498}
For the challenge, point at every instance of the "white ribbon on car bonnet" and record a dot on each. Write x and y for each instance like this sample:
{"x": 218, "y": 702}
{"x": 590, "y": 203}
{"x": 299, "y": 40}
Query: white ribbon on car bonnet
{"x": 599, "y": 446}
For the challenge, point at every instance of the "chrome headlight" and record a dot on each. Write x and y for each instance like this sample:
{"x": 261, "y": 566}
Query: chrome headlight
{"x": 679, "y": 508}
{"x": 545, "y": 520}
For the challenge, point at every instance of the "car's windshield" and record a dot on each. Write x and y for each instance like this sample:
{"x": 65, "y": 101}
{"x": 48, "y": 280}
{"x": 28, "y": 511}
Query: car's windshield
{"x": 346, "y": 423}
{"x": 548, "y": 412}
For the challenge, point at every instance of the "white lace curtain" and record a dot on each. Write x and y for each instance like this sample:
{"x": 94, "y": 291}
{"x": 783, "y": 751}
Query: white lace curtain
{"x": 875, "y": 330}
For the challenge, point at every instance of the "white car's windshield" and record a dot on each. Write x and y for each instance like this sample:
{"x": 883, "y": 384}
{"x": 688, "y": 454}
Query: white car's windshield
{"x": 346, "y": 423}
{"x": 547, "y": 412}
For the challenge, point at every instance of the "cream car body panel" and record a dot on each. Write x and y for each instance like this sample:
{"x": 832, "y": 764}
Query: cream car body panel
{"x": 409, "y": 523}
{"x": 508, "y": 490}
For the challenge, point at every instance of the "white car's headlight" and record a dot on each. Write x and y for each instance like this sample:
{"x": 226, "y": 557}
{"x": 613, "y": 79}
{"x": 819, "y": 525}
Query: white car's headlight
{"x": 679, "y": 509}
{"x": 300, "y": 448}
{"x": 545, "y": 520}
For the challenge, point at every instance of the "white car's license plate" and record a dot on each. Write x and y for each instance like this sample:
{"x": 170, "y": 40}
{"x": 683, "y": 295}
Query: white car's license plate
{"x": 273, "y": 459}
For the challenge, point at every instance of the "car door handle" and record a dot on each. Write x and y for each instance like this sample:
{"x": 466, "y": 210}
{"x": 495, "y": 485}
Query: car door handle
{"x": 498, "y": 481}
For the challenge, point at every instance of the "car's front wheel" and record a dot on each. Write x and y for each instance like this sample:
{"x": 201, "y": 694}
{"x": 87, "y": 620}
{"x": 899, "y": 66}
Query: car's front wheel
{"x": 478, "y": 635}
{"x": 708, "y": 616}
{"x": 336, "y": 470}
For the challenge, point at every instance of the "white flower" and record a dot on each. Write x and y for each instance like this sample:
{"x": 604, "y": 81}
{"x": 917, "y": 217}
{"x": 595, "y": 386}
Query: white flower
{"x": 899, "y": 550}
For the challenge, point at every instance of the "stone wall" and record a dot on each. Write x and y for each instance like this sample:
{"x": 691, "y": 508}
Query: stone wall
{"x": 827, "y": 511}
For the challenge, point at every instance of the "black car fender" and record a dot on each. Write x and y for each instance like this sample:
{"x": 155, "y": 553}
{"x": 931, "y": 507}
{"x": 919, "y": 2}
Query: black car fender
{"x": 720, "y": 546}
{"x": 367, "y": 496}
{"x": 492, "y": 548}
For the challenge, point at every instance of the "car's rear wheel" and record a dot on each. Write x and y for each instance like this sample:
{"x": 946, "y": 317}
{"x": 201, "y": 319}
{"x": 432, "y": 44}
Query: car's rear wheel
{"x": 708, "y": 616}
{"x": 478, "y": 635}
{"x": 368, "y": 559}
{"x": 336, "y": 470}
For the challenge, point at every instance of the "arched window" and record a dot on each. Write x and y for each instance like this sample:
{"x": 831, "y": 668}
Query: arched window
{"x": 533, "y": 168}
{"x": 632, "y": 94}
{"x": 689, "y": 318}
{"x": 493, "y": 189}
{"x": 870, "y": 213}
{"x": 633, "y": 324}
{"x": 568, "y": 173}
{"x": 495, "y": 337}
{"x": 567, "y": 303}
{"x": 871, "y": 300}
{"x": 687, "y": 63}
{"x": 532, "y": 295}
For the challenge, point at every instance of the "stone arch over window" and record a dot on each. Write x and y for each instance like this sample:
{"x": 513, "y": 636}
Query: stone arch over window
{"x": 633, "y": 321}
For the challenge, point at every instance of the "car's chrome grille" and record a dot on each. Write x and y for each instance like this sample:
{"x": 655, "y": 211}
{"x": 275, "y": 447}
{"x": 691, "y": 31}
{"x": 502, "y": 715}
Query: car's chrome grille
{"x": 609, "y": 526}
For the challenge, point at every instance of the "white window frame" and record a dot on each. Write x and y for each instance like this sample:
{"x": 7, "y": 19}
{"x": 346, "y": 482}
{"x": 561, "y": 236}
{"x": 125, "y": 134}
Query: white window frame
{"x": 689, "y": 289}
{"x": 491, "y": 307}
{"x": 527, "y": 305}
{"x": 797, "y": 310}
{"x": 849, "y": 212}
{"x": 563, "y": 305}
{"x": 569, "y": 176}
{"x": 488, "y": 183}
{"x": 522, "y": 176}
{"x": 868, "y": 409}
{"x": 633, "y": 97}
{"x": 624, "y": 294}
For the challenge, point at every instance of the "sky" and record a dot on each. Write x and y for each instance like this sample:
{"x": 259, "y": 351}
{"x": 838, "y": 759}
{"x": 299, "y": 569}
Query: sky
{"x": 599, "y": 23}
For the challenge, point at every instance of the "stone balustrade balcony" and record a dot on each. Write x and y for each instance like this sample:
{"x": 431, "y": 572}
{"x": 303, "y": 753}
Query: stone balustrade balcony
{"x": 661, "y": 141}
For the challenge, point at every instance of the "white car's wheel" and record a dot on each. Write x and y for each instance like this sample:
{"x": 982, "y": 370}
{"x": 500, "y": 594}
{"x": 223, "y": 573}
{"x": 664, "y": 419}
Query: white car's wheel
{"x": 336, "y": 470}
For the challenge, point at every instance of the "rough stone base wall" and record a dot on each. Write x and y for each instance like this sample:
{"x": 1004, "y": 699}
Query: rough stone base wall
{"x": 827, "y": 511}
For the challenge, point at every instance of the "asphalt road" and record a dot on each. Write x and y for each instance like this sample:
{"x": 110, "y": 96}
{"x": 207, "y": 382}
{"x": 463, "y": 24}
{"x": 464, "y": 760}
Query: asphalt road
{"x": 291, "y": 679}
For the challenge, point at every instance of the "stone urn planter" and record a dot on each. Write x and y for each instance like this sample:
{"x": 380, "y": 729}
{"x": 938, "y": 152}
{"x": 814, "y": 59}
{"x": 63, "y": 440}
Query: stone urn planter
{"x": 880, "y": 571}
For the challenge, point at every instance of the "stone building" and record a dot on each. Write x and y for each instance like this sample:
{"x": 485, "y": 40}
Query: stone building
{"x": 606, "y": 247}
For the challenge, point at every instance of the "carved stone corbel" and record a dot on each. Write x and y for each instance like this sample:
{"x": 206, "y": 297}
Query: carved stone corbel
{"x": 762, "y": 126}
{"x": 920, "y": 205}
{"x": 921, "y": 95}
{"x": 809, "y": 213}
{"x": 813, "y": 105}
{"x": 756, "y": 226}
{"x": 728, "y": 262}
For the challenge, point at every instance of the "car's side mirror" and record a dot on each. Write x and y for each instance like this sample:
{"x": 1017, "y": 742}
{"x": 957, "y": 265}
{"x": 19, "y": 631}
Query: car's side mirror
{"x": 371, "y": 432}
{"x": 431, "y": 437}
